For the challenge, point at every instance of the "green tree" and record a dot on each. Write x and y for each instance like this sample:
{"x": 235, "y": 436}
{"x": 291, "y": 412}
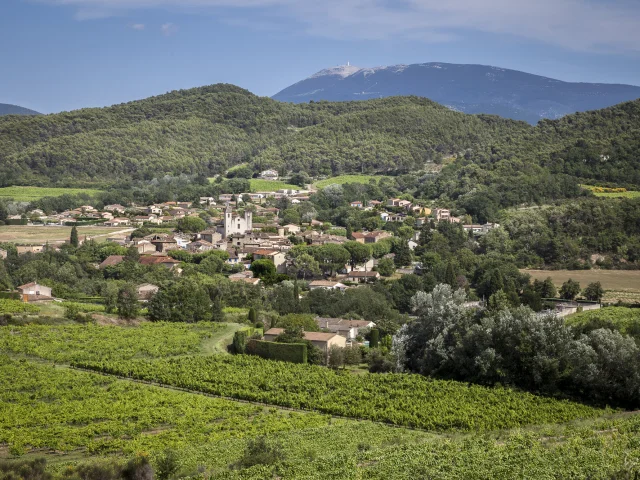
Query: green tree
{"x": 217, "y": 313}
{"x": 336, "y": 357}
{"x": 331, "y": 257}
{"x": 358, "y": 252}
{"x": 594, "y": 292}
{"x": 546, "y": 288}
{"x": 450, "y": 276}
{"x": 374, "y": 338}
{"x": 349, "y": 233}
{"x": 253, "y": 315}
{"x": 191, "y": 224}
{"x": 263, "y": 268}
{"x": 127, "y": 302}
{"x": 403, "y": 255}
{"x": 386, "y": 267}
{"x": 570, "y": 289}
{"x": 184, "y": 300}
{"x": 73, "y": 240}
{"x": 305, "y": 266}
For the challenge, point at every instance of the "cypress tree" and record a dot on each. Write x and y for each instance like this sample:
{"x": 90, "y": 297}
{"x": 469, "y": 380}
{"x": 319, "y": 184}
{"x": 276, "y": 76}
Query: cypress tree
{"x": 374, "y": 339}
{"x": 74, "y": 237}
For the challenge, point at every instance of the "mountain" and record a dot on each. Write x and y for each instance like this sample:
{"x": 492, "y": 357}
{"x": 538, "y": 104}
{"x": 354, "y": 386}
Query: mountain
{"x": 7, "y": 109}
{"x": 206, "y": 130}
{"x": 464, "y": 88}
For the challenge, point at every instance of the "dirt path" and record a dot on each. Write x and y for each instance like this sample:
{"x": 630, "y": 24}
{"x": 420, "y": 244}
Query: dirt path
{"x": 219, "y": 341}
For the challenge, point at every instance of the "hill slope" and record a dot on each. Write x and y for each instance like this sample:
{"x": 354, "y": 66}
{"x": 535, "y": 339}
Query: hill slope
{"x": 209, "y": 129}
{"x": 7, "y": 109}
{"x": 465, "y": 88}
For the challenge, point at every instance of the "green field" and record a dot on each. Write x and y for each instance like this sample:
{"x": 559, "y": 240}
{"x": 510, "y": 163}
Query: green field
{"x": 259, "y": 185}
{"x": 627, "y": 194}
{"x": 29, "y": 194}
{"x": 342, "y": 179}
{"x": 41, "y": 234}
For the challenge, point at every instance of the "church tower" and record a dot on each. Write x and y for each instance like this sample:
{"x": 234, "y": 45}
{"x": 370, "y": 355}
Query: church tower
{"x": 228, "y": 221}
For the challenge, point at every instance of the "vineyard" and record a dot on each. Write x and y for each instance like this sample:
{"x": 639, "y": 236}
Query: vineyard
{"x": 625, "y": 320}
{"x": 407, "y": 400}
{"x": 16, "y": 306}
{"x": 78, "y": 343}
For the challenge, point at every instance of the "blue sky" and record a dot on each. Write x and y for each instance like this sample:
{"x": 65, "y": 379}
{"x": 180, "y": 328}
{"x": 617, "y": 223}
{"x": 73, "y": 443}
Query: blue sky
{"x": 65, "y": 54}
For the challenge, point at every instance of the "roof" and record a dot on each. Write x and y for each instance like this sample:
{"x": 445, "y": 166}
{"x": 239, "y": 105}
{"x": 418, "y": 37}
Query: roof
{"x": 324, "y": 283}
{"x": 318, "y": 336}
{"x": 27, "y": 285}
{"x": 265, "y": 252}
{"x": 150, "y": 260}
{"x": 112, "y": 260}
{"x": 363, "y": 274}
{"x": 252, "y": 281}
{"x": 274, "y": 331}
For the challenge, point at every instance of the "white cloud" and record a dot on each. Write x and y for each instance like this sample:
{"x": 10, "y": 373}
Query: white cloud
{"x": 168, "y": 29}
{"x": 573, "y": 24}
{"x": 138, "y": 26}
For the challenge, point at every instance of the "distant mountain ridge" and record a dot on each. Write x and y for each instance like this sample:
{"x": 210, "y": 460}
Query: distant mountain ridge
{"x": 465, "y": 88}
{"x": 8, "y": 109}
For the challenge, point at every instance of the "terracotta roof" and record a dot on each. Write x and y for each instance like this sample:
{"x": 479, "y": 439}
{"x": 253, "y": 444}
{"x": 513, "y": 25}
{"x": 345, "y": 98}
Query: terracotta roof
{"x": 111, "y": 261}
{"x": 274, "y": 331}
{"x": 363, "y": 274}
{"x": 323, "y": 283}
{"x": 27, "y": 285}
{"x": 150, "y": 260}
{"x": 318, "y": 336}
{"x": 265, "y": 252}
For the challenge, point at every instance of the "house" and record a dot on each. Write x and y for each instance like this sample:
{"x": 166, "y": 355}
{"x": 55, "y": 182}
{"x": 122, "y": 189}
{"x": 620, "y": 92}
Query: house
{"x": 200, "y": 246}
{"x": 146, "y": 291}
{"x": 111, "y": 261}
{"x": 117, "y": 208}
{"x": 442, "y": 214}
{"x": 279, "y": 259}
{"x": 356, "y": 204}
{"x": 249, "y": 280}
{"x": 153, "y": 210}
{"x": 370, "y": 237}
{"x": 163, "y": 242}
{"x": 207, "y": 201}
{"x": 349, "y": 329}
{"x": 393, "y": 202}
{"x": 363, "y": 277}
{"x": 419, "y": 211}
{"x": 34, "y": 292}
{"x": 117, "y": 222}
{"x": 324, "y": 341}
{"x": 22, "y": 249}
{"x": 289, "y": 229}
{"x": 144, "y": 246}
{"x": 142, "y": 219}
{"x": 210, "y": 235}
{"x": 269, "y": 175}
{"x": 158, "y": 260}
{"x": 327, "y": 285}
{"x": 373, "y": 203}
{"x": 3, "y": 253}
{"x": 405, "y": 204}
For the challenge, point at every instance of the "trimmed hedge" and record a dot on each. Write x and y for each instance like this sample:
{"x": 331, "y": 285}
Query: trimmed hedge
{"x": 286, "y": 352}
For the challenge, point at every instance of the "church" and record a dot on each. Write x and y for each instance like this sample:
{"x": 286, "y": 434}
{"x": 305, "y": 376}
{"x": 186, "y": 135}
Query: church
{"x": 234, "y": 224}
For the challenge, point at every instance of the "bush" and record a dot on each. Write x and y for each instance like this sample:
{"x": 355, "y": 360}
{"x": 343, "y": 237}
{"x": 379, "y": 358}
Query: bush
{"x": 261, "y": 452}
{"x": 286, "y": 352}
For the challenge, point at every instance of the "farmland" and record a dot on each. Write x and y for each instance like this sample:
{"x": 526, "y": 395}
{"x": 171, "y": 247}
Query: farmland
{"x": 30, "y": 194}
{"x": 72, "y": 416}
{"x": 623, "y": 285}
{"x": 342, "y": 179}
{"x": 259, "y": 185}
{"x": 611, "y": 193}
{"x": 51, "y": 234}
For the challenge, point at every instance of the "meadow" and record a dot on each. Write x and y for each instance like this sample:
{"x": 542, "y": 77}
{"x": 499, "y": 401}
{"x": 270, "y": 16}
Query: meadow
{"x": 611, "y": 193}
{"x": 52, "y": 234}
{"x": 623, "y": 285}
{"x": 260, "y": 185}
{"x": 30, "y": 194}
{"x": 342, "y": 179}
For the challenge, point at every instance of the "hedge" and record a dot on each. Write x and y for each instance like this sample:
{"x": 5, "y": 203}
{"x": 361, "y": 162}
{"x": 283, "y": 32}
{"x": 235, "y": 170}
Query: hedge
{"x": 286, "y": 352}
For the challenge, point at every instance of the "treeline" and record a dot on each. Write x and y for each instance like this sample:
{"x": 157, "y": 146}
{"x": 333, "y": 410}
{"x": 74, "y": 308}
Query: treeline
{"x": 204, "y": 131}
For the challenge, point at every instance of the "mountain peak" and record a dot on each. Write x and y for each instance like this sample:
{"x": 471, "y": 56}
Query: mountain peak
{"x": 339, "y": 70}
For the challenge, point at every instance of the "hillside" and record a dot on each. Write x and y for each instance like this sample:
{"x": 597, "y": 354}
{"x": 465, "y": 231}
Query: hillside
{"x": 209, "y": 129}
{"x": 7, "y": 109}
{"x": 464, "y": 88}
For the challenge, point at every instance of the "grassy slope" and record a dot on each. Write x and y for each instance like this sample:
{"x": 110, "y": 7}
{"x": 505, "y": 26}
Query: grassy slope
{"x": 342, "y": 179}
{"x": 42, "y": 234}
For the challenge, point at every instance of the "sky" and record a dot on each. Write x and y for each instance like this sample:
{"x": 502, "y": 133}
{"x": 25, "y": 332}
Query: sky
{"x": 60, "y": 55}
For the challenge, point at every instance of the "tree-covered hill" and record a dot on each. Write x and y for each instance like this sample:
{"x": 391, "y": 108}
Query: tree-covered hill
{"x": 8, "y": 109}
{"x": 209, "y": 129}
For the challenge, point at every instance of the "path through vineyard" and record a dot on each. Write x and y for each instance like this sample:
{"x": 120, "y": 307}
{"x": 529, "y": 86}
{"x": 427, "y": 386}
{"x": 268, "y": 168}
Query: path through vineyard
{"x": 219, "y": 341}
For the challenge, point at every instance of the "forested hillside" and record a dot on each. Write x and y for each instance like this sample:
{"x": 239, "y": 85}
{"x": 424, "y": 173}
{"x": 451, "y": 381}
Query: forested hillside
{"x": 206, "y": 130}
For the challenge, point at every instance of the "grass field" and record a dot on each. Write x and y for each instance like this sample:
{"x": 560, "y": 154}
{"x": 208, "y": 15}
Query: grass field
{"x": 42, "y": 234}
{"x": 28, "y": 194}
{"x": 342, "y": 179}
{"x": 621, "y": 285}
{"x": 627, "y": 194}
{"x": 259, "y": 185}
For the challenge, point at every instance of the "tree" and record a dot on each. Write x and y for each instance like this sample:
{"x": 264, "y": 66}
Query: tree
{"x": 450, "y": 276}
{"x": 336, "y": 357}
{"x": 291, "y": 216}
{"x": 127, "y": 303}
{"x": 331, "y": 257}
{"x": 374, "y": 338}
{"x": 498, "y": 301}
{"x": 403, "y": 254}
{"x": 570, "y": 289}
{"x": 546, "y": 288}
{"x": 594, "y": 292}
{"x": 349, "y": 231}
{"x": 253, "y": 315}
{"x": 191, "y": 224}
{"x": 386, "y": 267}
{"x": 217, "y": 314}
{"x": 73, "y": 240}
{"x": 296, "y": 295}
{"x": 352, "y": 355}
{"x": 185, "y": 300}
{"x": 263, "y": 268}
{"x": 359, "y": 252}
{"x": 305, "y": 266}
